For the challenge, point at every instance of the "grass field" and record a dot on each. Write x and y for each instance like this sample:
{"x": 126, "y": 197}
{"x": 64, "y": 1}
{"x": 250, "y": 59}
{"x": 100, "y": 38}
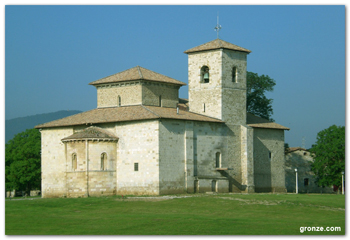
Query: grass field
{"x": 192, "y": 214}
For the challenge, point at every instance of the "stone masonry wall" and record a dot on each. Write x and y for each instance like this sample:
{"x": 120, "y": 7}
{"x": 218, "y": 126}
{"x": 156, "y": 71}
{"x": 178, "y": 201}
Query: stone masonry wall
{"x": 136, "y": 93}
{"x": 138, "y": 143}
{"x": 302, "y": 160}
{"x": 206, "y": 102}
{"x": 269, "y": 172}
{"x": 95, "y": 181}
{"x": 53, "y": 162}
{"x": 247, "y": 159}
{"x": 190, "y": 156}
{"x": 234, "y": 106}
{"x": 232, "y": 59}
{"x": 102, "y": 182}
{"x": 152, "y": 91}
{"x": 76, "y": 184}
{"x": 96, "y": 148}
{"x": 130, "y": 94}
{"x": 79, "y": 149}
{"x": 171, "y": 157}
{"x": 222, "y": 97}
{"x": 210, "y": 140}
{"x": 187, "y": 154}
{"x": 234, "y": 93}
{"x": 205, "y": 93}
{"x": 76, "y": 179}
{"x": 235, "y": 154}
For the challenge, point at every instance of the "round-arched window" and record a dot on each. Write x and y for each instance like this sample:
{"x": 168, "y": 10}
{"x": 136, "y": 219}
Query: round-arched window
{"x": 234, "y": 74}
{"x": 205, "y": 74}
{"x": 218, "y": 160}
{"x": 104, "y": 161}
{"x": 74, "y": 161}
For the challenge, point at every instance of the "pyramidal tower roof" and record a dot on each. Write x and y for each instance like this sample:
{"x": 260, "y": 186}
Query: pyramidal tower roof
{"x": 217, "y": 44}
{"x": 137, "y": 73}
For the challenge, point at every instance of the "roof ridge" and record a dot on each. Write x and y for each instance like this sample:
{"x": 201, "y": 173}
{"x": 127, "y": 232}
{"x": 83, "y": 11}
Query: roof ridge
{"x": 111, "y": 75}
{"x": 100, "y": 129}
{"x": 92, "y": 132}
{"x": 140, "y": 73}
{"x": 158, "y": 74}
{"x": 220, "y": 43}
{"x": 137, "y": 73}
{"x": 217, "y": 44}
{"x": 150, "y": 111}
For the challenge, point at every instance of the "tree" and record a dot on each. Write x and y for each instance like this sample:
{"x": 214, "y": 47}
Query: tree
{"x": 23, "y": 161}
{"x": 329, "y": 156}
{"x": 286, "y": 147}
{"x": 257, "y": 103}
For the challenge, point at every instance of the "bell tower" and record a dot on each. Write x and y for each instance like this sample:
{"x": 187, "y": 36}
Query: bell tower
{"x": 217, "y": 81}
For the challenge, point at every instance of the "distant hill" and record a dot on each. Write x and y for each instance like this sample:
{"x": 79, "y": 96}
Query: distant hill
{"x": 17, "y": 125}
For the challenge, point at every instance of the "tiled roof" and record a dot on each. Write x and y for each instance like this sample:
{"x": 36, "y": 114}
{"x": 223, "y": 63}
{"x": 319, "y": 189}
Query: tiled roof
{"x": 170, "y": 113}
{"x": 139, "y": 112}
{"x": 102, "y": 115}
{"x": 217, "y": 44}
{"x": 137, "y": 73}
{"x": 123, "y": 114}
{"x": 183, "y": 100}
{"x": 183, "y": 104}
{"x": 293, "y": 149}
{"x": 92, "y": 133}
{"x": 258, "y": 122}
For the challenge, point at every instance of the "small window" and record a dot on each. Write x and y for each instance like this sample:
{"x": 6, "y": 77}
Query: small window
{"x": 203, "y": 107}
{"x": 136, "y": 167}
{"x": 74, "y": 161}
{"x": 119, "y": 101}
{"x": 306, "y": 182}
{"x": 103, "y": 161}
{"x": 270, "y": 156}
{"x": 234, "y": 74}
{"x": 218, "y": 160}
{"x": 160, "y": 100}
{"x": 205, "y": 74}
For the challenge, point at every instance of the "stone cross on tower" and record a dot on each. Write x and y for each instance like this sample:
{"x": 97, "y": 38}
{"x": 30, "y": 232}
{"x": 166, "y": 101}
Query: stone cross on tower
{"x": 217, "y": 27}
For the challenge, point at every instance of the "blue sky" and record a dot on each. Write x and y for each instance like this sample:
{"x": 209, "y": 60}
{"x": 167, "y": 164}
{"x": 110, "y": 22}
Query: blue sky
{"x": 53, "y": 52}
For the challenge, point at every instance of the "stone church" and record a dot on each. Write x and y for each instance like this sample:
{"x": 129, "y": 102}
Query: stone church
{"x": 142, "y": 139}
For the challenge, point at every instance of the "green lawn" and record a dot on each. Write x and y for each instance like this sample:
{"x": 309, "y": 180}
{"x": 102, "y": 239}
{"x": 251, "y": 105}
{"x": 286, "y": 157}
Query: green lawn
{"x": 197, "y": 214}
